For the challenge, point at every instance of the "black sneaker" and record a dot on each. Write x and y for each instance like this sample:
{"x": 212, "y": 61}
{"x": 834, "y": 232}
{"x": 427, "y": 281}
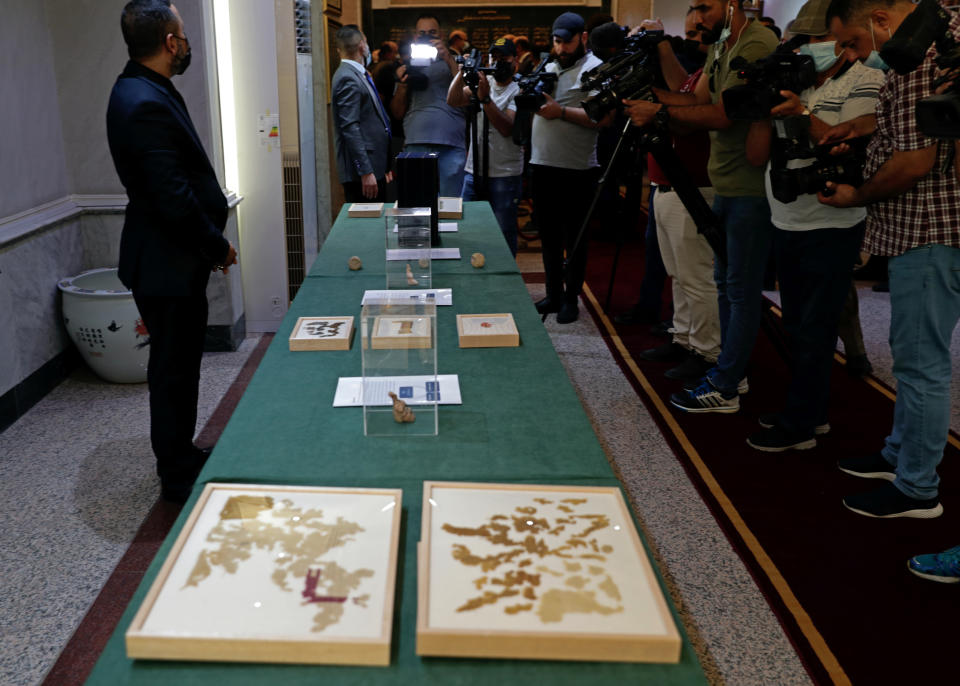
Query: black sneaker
{"x": 548, "y": 305}
{"x": 668, "y": 352}
{"x": 568, "y": 313}
{"x": 694, "y": 367}
{"x": 777, "y": 439}
{"x": 868, "y": 467}
{"x": 768, "y": 421}
{"x": 888, "y": 502}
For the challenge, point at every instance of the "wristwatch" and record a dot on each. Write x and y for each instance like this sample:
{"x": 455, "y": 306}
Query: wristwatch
{"x": 485, "y": 100}
{"x": 662, "y": 118}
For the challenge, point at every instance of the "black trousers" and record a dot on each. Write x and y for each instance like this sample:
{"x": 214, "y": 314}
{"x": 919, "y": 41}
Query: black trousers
{"x": 815, "y": 274}
{"x": 561, "y": 199}
{"x": 353, "y": 192}
{"x": 177, "y": 327}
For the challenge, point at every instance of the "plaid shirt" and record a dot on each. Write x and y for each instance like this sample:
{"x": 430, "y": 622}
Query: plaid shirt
{"x": 930, "y": 211}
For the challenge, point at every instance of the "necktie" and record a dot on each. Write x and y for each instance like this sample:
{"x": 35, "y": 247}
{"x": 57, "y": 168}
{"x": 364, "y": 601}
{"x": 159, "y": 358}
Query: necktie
{"x": 376, "y": 96}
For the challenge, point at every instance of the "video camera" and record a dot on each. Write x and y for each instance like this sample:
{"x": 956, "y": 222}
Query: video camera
{"x": 792, "y": 142}
{"x": 938, "y": 116}
{"x": 783, "y": 70}
{"x": 422, "y": 55}
{"x": 530, "y": 98}
{"x": 471, "y": 69}
{"x": 632, "y": 74}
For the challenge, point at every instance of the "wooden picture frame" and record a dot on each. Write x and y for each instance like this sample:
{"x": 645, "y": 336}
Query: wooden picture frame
{"x": 333, "y": 7}
{"x": 537, "y": 572}
{"x": 230, "y": 587}
{"x": 401, "y": 332}
{"x": 487, "y": 331}
{"x": 365, "y": 209}
{"x": 449, "y": 208}
{"x": 322, "y": 333}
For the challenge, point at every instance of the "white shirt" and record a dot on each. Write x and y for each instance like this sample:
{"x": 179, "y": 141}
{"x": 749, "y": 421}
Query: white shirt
{"x": 559, "y": 143}
{"x": 506, "y": 157}
{"x": 851, "y": 95}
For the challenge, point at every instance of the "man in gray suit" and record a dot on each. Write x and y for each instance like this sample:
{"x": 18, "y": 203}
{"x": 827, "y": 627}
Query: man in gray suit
{"x": 361, "y": 126}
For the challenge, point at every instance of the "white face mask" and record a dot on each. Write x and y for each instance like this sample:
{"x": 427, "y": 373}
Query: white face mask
{"x": 874, "y": 61}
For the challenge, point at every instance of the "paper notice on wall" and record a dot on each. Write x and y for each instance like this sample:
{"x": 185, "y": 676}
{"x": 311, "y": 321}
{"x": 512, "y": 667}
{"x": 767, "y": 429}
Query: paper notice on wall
{"x": 268, "y": 131}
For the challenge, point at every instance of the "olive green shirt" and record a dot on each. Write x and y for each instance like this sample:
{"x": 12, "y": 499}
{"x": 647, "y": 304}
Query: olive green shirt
{"x": 730, "y": 173}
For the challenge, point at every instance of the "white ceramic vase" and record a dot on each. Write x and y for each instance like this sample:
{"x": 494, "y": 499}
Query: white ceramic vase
{"x": 105, "y": 325}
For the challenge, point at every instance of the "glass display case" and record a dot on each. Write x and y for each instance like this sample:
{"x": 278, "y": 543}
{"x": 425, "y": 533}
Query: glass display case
{"x": 408, "y": 262}
{"x": 401, "y": 390}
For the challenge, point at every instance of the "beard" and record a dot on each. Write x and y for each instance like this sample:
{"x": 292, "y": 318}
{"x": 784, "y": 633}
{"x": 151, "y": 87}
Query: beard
{"x": 567, "y": 61}
{"x": 709, "y": 36}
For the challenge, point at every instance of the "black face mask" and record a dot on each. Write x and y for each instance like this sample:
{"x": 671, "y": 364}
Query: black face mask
{"x": 503, "y": 72}
{"x": 180, "y": 64}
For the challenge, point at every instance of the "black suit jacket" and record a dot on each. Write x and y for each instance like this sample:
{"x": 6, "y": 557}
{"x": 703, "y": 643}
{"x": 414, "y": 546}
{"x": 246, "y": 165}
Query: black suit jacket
{"x": 173, "y": 232}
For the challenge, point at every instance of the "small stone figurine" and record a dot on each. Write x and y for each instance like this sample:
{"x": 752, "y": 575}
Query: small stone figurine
{"x": 477, "y": 260}
{"x": 401, "y": 411}
{"x": 354, "y": 263}
{"x": 410, "y": 280}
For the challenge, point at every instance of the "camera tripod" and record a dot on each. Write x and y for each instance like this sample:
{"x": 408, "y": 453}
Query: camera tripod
{"x": 481, "y": 164}
{"x": 657, "y": 144}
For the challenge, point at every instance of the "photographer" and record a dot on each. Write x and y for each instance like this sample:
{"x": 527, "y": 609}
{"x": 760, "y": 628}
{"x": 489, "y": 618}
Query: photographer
{"x": 565, "y": 169}
{"x": 740, "y": 201}
{"x": 420, "y": 100}
{"x": 815, "y": 245}
{"x": 686, "y": 254}
{"x": 503, "y": 179}
{"x": 912, "y": 197}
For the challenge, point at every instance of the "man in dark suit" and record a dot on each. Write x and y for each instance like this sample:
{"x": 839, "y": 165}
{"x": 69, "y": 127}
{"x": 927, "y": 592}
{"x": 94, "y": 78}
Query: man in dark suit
{"x": 173, "y": 232}
{"x": 361, "y": 125}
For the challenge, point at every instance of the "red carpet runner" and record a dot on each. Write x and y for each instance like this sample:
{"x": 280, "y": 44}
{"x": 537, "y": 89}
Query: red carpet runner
{"x": 837, "y": 581}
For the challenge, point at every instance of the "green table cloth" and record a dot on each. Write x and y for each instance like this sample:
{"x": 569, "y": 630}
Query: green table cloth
{"x": 520, "y": 422}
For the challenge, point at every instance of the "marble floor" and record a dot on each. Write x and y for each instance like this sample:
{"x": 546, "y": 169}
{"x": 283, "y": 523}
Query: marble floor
{"x": 76, "y": 480}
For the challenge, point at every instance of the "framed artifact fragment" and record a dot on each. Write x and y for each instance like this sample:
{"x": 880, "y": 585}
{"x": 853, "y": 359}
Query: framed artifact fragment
{"x": 537, "y": 572}
{"x": 322, "y": 333}
{"x": 365, "y": 209}
{"x": 450, "y": 208}
{"x": 487, "y": 331}
{"x": 276, "y": 574}
{"x": 392, "y": 332}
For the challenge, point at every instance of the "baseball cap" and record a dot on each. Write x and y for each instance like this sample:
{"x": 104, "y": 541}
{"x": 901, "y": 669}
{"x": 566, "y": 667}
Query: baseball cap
{"x": 812, "y": 19}
{"x": 504, "y": 46}
{"x": 568, "y": 25}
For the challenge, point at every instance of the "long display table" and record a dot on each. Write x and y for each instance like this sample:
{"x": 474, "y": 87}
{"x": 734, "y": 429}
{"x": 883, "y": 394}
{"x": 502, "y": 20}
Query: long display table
{"x": 520, "y": 421}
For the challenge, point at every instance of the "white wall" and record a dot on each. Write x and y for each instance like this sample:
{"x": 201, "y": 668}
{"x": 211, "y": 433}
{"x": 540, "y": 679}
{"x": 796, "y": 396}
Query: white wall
{"x": 782, "y": 11}
{"x": 262, "y": 240}
{"x": 33, "y": 169}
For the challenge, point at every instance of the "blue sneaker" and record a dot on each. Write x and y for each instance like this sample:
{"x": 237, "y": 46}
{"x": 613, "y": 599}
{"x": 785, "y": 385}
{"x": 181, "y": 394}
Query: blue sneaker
{"x": 705, "y": 398}
{"x": 943, "y": 567}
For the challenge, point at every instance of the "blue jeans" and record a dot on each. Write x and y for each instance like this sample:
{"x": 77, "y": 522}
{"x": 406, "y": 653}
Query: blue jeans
{"x": 924, "y": 309}
{"x": 504, "y": 195}
{"x": 449, "y": 166}
{"x": 746, "y": 223}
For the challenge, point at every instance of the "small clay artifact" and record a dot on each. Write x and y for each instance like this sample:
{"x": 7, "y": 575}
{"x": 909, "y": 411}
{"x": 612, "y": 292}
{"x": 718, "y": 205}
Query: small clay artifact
{"x": 410, "y": 280}
{"x": 424, "y": 262}
{"x": 354, "y": 263}
{"x": 477, "y": 260}
{"x": 402, "y": 413}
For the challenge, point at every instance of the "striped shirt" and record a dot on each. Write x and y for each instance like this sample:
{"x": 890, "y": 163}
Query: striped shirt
{"x": 930, "y": 211}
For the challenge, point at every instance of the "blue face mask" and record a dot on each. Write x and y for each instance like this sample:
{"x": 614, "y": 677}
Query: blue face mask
{"x": 822, "y": 53}
{"x": 874, "y": 61}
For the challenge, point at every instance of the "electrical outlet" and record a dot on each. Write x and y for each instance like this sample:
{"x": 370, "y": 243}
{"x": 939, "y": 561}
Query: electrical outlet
{"x": 276, "y": 301}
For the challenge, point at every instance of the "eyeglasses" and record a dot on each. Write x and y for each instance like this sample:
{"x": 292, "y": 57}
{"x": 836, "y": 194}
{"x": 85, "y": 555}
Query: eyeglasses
{"x": 183, "y": 38}
{"x": 431, "y": 32}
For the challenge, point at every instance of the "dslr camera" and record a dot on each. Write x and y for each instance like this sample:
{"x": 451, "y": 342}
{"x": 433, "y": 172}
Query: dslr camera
{"x": 631, "y": 74}
{"x": 534, "y": 85}
{"x": 783, "y": 70}
{"x": 792, "y": 142}
{"x": 471, "y": 69}
{"x": 938, "y": 116}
